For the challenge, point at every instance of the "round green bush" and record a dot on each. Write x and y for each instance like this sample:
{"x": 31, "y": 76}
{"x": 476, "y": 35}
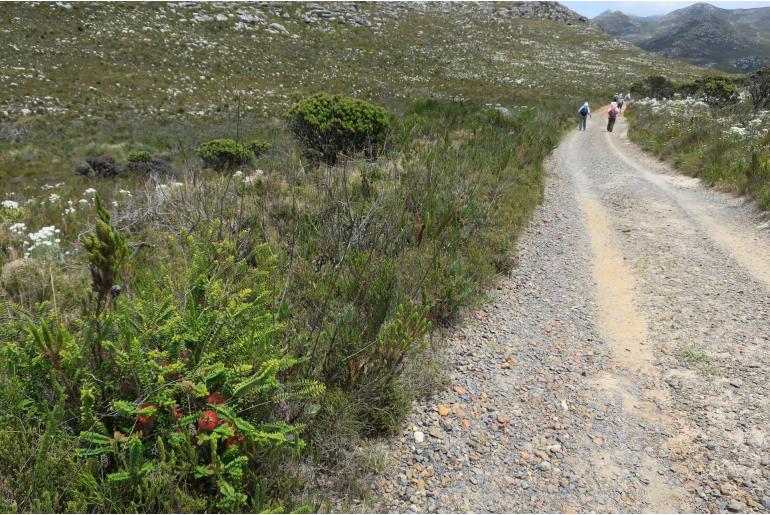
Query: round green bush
{"x": 718, "y": 91}
{"x": 139, "y": 156}
{"x": 224, "y": 154}
{"x": 329, "y": 124}
{"x": 259, "y": 147}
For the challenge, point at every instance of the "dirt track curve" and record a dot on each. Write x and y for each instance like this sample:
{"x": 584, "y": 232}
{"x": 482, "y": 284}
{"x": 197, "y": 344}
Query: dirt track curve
{"x": 624, "y": 365}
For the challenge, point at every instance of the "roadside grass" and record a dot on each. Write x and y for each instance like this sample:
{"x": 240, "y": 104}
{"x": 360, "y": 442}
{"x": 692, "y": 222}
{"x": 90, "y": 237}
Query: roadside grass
{"x": 729, "y": 148}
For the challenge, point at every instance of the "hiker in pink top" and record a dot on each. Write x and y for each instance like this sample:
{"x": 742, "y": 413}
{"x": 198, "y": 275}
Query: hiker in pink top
{"x": 612, "y": 114}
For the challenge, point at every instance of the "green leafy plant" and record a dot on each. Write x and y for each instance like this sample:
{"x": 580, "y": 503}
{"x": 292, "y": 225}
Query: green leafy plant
{"x": 185, "y": 387}
{"x": 717, "y": 91}
{"x": 107, "y": 252}
{"x": 259, "y": 147}
{"x": 224, "y": 154}
{"x": 331, "y": 124}
{"x": 656, "y": 86}
{"x": 139, "y": 156}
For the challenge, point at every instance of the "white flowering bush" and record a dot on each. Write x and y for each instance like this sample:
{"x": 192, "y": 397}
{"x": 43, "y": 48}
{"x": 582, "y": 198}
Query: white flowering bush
{"x": 18, "y": 229}
{"x": 44, "y": 243}
{"x": 726, "y": 146}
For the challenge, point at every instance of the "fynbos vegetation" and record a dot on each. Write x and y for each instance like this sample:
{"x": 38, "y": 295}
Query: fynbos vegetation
{"x": 242, "y": 323}
{"x": 710, "y": 128}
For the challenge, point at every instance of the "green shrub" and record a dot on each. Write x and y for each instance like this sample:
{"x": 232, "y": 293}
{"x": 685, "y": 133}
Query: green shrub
{"x": 172, "y": 403}
{"x": 107, "y": 252}
{"x": 655, "y": 86}
{"x": 224, "y": 154}
{"x": 759, "y": 88}
{"x": 688, "y": 89}
{"x": 259, "y": 147}
{"x": 717, "y": 91}
{"x": 139, "y": 156}
{"x": 332, "y": 124}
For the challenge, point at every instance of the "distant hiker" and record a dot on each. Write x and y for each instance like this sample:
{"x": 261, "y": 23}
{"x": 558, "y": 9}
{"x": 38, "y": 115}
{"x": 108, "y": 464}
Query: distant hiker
{"x": 628, "y": 97}
{"x": 584, "y": 113}
{"x": 612, "y": 114}
{"x": 620, "y": 104}
{"x": 615, "y": 97}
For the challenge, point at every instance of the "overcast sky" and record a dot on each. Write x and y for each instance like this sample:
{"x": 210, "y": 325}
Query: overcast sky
{"x": 591, "y": 9}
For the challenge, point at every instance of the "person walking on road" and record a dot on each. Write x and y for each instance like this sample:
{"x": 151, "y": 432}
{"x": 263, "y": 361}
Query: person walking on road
{"x": 612, "y": 114}
{"x": 584, "y": 113}
{"x": 620, "y": 105}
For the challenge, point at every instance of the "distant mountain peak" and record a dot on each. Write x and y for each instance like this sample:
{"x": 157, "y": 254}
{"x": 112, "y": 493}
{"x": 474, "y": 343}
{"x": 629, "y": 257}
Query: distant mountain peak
{"x": 734, "y": 40}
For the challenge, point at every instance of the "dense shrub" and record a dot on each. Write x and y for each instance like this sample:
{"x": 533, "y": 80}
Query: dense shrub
{"x": 25, "y": 281}
{"x": 332, "y": 124}
{"x": 152, "y": 166}
{"x": 759, "y": 88}
{"x": 139, "y": 156}
{"x": 170, "y": 403}
{"x": 223, "y": 154}
{"x": 259, "y": 147}
{"x": 655, "y": 86}
{"x": 420, "y": 243}
{"x": 717, "y": 91}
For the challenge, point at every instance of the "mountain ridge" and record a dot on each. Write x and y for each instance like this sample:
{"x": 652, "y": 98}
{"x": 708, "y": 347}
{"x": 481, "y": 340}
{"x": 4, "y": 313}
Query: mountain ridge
{"x": 730, "y": 40}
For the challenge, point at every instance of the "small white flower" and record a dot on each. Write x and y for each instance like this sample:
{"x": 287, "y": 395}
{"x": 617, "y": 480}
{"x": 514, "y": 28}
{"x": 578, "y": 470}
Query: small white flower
{"x": 18, "y": 228}
{"x": 90, "y": 191}
{"x": 10, "y": 204}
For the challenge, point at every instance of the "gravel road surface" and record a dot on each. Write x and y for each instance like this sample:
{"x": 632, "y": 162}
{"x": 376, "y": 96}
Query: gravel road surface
{"x": 623, "y": 366}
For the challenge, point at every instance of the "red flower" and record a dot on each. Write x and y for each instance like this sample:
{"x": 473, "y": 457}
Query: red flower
{"x": 209, "y": 421}
{"x": 233, "y": 440}
{"x": 215, "y": 398}
{"x": 146, "y": 422}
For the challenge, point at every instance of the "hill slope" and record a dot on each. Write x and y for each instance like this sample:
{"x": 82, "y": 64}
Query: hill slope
{"x": 148, "y": 57}
{"x": 733, "y": 40}
{"x": 167, "y": 72}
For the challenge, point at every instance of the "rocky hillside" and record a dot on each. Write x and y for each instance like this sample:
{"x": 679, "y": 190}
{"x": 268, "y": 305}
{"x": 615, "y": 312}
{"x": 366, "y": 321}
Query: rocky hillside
{"x": 82, "y": 79}
{"x": 732, "y": 40}
{"x": 197, "y": 58}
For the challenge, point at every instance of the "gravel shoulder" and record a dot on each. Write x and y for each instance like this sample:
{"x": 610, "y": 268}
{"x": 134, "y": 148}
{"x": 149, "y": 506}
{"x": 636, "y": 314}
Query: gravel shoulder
{"x": 622, "y": 367}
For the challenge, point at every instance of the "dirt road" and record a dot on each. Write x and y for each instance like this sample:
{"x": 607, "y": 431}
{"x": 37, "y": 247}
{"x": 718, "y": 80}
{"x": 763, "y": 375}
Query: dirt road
{"x": 624, "y": 365}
